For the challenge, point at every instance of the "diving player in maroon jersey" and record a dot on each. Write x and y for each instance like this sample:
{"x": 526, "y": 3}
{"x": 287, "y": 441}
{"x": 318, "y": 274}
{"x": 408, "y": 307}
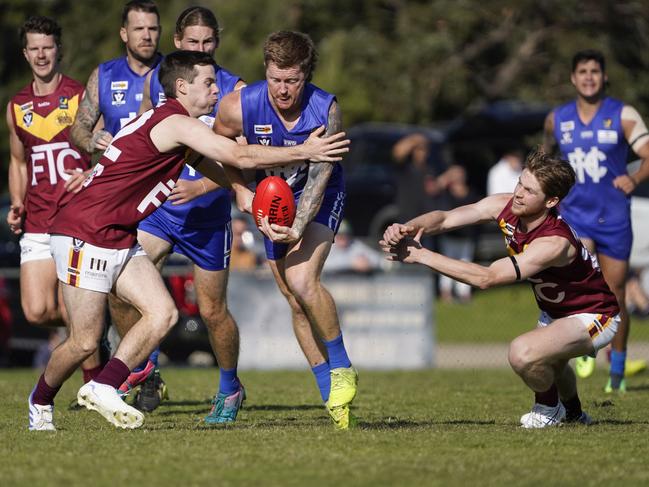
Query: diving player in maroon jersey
{"x": 43, "y": 163}
{"x": 94, "y": 237}
{"x": 579, "y": 313}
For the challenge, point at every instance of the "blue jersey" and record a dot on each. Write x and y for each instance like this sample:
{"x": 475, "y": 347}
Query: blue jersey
{"x": 262, "y": 125}
{"x": 597, "y": 152}
{"x": 212, "y": 208}
{"x": 120, "y": 93}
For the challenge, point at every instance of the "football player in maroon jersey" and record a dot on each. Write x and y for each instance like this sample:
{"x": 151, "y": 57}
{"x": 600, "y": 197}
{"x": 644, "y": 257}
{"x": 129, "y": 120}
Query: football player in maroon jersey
{"x": 94, "y": 236}
{"x": 42, "y": 164}
{"x": 579, "y": 313}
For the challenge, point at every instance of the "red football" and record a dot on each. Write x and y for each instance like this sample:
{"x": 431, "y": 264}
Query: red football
{"x": 274, "y": 199}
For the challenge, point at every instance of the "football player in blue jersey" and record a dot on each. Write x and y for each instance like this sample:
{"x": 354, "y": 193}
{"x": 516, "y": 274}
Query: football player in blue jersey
{"x": 594, "y": 133}
{"x": 283, "y": 110}
{"x": 113, "y": 94}
{"x": 195, "y": 222}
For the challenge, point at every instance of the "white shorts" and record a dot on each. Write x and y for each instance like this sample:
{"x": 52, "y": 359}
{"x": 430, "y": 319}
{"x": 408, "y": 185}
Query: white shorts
{"x": 34, "y": 246}
{"x": 87, "y": 266}
{"x": 601, "y": 328}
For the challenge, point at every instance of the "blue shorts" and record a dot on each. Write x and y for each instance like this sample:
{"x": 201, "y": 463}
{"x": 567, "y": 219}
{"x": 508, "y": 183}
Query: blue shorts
{"x": 330, "y": 215}
{"x": 208, "y": 248}
{"x": 613, "y": 242}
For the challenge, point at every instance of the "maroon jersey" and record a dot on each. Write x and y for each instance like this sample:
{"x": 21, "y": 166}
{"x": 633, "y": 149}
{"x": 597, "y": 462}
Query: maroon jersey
{"x": 130, "y": 181}
{"x": 561, "y": 291}
{"x": 42, "y": 124}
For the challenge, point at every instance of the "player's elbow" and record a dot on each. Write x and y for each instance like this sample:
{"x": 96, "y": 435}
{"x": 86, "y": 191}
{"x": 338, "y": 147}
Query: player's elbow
{"x": 487, "y": 279}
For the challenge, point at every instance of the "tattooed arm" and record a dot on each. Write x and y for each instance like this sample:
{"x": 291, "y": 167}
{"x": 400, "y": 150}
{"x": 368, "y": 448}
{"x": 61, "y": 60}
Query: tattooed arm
{"x": 317, "y": 179}
{"x": 87, "y": 116}
{"x": 313, "y": 192}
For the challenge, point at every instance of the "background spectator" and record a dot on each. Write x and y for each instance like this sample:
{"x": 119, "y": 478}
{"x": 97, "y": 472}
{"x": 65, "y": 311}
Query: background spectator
{"x": 460, "y": 243}
{"x": 243, "y": 256}
{"x": 349, "y": 254}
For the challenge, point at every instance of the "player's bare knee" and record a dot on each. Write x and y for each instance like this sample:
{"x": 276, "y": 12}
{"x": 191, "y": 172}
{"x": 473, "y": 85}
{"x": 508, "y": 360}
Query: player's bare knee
{"x": 41, "y": 315}
{"x": 84, "y": 345}
{"x": 520, "y": 355}
{"x": 169, "y": 318}
{"x": 214, "y": 316}
{"x": 304, "y": 288}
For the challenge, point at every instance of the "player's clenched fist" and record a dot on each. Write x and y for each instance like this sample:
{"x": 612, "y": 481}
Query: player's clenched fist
{"x": 395, "y": 233}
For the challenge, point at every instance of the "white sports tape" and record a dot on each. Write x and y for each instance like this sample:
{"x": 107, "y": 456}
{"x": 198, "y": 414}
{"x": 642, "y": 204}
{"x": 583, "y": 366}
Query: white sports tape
{"x": 639, "y": 135}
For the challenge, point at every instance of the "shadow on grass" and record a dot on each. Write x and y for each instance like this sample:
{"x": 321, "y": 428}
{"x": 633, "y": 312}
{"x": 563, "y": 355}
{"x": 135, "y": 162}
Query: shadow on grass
{"x": 404, "y": 424}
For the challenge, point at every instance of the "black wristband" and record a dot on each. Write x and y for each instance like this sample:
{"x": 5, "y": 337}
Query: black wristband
{"x": 516, "y": 268}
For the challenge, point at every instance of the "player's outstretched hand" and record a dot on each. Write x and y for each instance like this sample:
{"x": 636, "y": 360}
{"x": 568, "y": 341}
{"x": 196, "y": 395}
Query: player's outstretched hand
{"x": 408, "y": 250}
{"x": 396, "y": 232}
{"x": 15, "y": 218}
{"x": 76, "y": 179}
{"x": 186, "y": 190}
{"x": 279, "y": 233}
{"x": 326, "y": 149}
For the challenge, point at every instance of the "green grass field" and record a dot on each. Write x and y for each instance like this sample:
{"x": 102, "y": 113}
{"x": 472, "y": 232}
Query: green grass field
{"x": 416, "y": 428}
{"x": 499, "y": 315}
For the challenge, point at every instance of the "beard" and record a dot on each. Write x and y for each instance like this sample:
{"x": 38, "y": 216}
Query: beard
{"x": 142, "y": 55}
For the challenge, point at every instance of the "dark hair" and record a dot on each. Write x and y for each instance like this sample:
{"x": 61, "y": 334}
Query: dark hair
{"x": 555, "y": 175}
{"x": 181, "y": 64}
{"x": 197, "y": 16}
{"x": 37, "y": 24}
{"x": 589, "y": 55}
{"x": 287, "y": 49}
{"x": 139, "y": 6}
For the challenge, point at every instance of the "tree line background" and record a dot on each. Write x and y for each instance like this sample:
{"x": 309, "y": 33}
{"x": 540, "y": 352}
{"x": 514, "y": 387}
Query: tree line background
{"x": 410, "y": 61}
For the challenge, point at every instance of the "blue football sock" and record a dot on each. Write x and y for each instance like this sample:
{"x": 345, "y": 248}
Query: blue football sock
{"x": 228, "y": 382}
{"x": 617, "y": 367}
{"x": 153, "y": 358}
{"x": 140, "y": 367}
{"x": 337, "y": 353}
{"x": 323, "y": 379}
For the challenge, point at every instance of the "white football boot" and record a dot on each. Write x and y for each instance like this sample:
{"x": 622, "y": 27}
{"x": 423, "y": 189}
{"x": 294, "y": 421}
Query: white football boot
{"x": 542, "y": 416}
{"x": 105, "y": 400}
{"x": 41, "y": 417}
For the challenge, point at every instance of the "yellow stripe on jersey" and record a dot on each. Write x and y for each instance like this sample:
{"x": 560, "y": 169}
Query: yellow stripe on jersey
{"x": 46, "y": 128}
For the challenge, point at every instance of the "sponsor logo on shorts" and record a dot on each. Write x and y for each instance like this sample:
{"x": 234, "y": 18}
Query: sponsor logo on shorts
{"x": 119, "y": 85}
{"x": 77, "y": 243}
{"x": 263, "y": 129}
{"x": 98, "y": 264}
